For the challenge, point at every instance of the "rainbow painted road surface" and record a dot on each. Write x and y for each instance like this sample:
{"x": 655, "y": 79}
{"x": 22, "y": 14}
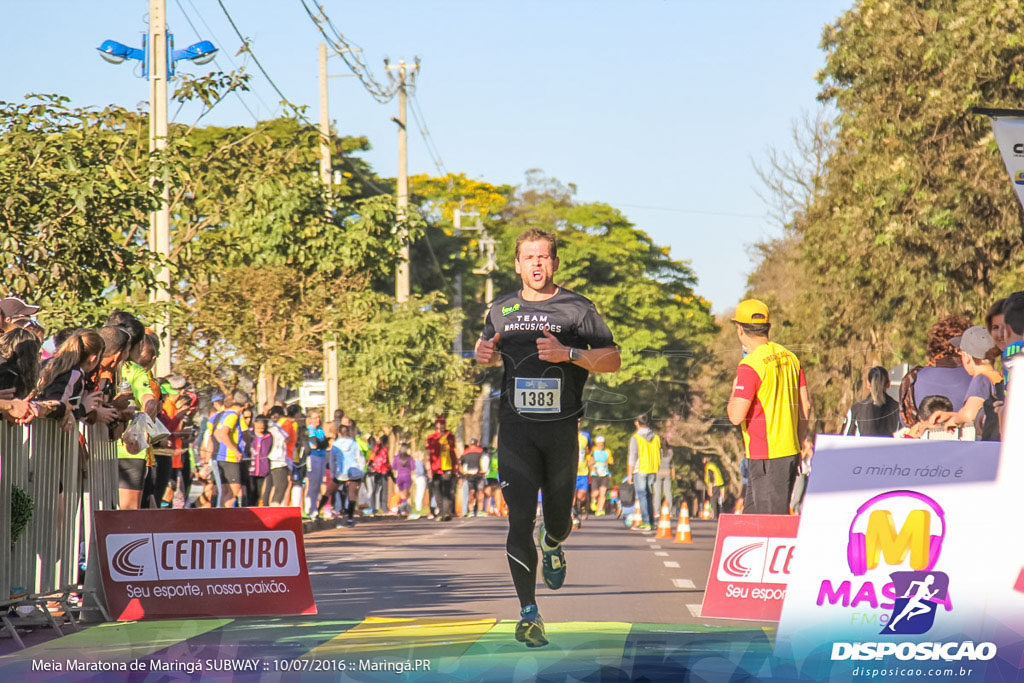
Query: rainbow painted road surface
{"x": 390, "y": 649}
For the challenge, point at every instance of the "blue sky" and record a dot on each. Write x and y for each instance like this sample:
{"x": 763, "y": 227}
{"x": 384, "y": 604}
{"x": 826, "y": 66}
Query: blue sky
{"x": 658, "y": 108}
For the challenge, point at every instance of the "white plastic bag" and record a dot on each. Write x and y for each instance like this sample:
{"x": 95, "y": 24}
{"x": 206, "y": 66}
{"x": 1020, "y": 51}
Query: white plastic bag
{"x": 135, "y": 437}
{"x": 155, "y": 429}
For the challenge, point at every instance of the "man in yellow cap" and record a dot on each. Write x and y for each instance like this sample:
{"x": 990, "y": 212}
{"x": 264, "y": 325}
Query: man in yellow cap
{"x": 770, "y": 400}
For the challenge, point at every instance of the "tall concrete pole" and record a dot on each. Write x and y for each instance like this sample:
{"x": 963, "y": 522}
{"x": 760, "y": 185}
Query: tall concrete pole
{"x": 160, "y": 220}
{"x": 326, "y": 176}
{"x": 402, "y": 271}
{"x": 457, "y": 345}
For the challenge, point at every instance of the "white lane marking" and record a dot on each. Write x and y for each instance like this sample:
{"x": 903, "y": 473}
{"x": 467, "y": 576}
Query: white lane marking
{"x": 694, "y": 610}
{"x": 650, "y": 540}
{"x": 683, "y": 583}
{"x": 655, "y": 547}
{"x": 672, "y": 565}
{"x": 661, "y": 554}
{"x": 318, "y": 568}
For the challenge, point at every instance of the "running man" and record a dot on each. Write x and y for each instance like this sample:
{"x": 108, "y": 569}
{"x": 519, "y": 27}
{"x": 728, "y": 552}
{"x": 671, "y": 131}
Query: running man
{"x": 915, "y": 605}
{"x": 549, "y": 339}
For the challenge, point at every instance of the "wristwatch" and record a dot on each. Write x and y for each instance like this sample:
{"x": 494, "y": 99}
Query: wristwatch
{"x": 574, "y": 354}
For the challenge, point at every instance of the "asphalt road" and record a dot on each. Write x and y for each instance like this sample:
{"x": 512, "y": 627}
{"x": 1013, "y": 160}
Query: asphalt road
{"x": 398, "y": 593}
{"x": 423, "y": 568}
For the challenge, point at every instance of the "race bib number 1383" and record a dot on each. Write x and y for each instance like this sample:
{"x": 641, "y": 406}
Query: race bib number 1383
{"x": 538, "y": 395}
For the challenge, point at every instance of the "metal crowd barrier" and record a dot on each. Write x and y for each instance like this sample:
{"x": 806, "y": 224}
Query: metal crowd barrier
{"x": 40, "y": 574}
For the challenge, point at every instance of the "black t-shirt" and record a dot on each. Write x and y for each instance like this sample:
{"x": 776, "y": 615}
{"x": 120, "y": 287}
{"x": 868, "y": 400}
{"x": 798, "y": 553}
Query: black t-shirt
{"x": 471, "y": 460}
{"x": 872, "y": 420}
{"x": 546, "y": 391}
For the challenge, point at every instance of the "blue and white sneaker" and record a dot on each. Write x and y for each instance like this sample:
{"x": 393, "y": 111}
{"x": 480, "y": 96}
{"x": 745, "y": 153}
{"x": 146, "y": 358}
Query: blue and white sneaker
{"x": 530, "y": 629}
{"x": 552, "y": 562}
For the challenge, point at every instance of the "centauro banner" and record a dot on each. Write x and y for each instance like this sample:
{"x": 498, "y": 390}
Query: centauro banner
{"x": 203, "y": 563}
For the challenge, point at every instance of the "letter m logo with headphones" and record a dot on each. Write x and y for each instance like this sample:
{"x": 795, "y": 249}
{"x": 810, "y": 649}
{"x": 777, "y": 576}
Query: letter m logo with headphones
{"x": 874, "y": 535}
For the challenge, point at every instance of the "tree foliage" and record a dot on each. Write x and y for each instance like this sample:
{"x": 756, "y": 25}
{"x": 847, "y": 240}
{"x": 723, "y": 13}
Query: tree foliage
{"x": 74, "y": 205}
{"x": 398, "y": 368}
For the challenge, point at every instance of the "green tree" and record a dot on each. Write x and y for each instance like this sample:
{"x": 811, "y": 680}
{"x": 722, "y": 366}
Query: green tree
{"x": 74, "y": 203}
{"x": 397, "y": 368}
{"x": 916, "y": 217}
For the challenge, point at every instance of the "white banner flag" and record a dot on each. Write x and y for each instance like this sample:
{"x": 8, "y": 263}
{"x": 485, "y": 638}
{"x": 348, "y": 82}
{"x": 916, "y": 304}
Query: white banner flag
{"x": 1009, "y": 132}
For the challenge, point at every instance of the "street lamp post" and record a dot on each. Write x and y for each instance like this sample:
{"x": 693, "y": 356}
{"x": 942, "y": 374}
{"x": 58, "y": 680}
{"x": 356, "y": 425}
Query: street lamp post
{"x": 158, "y": 57}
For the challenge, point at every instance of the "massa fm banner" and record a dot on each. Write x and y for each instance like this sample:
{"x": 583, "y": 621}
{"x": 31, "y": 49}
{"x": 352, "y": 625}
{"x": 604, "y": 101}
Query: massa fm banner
{"x": 905, "y": 544}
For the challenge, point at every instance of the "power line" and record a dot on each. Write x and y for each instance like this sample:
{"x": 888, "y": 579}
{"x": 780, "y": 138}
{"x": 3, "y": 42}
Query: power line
{"x": 198, "y": 37}
{"x": 227, "y": 54}
{"x": 349, "y": 53}
{"x": 298, "y": 112}
{"x": 248, "y": 48}
{"x": 421, "y": 124}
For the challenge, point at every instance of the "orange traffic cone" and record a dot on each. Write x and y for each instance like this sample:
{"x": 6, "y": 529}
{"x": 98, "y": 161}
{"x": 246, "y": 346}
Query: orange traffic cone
{"x": 683, "y": 530}
{"x": 665, "y": 522}
{"x": 638, "y": 518}
{"x": 705, "y": 512}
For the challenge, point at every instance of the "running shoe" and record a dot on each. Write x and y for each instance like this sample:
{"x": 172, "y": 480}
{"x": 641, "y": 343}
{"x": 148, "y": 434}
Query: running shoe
{"x": 552, "y": 564}
{"x": 530, "y": 629}
{"x": 644, "y": 527}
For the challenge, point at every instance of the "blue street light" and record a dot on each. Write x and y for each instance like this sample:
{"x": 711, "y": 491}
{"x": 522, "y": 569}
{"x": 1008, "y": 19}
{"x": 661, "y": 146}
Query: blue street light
{"x": 116, "y": 53}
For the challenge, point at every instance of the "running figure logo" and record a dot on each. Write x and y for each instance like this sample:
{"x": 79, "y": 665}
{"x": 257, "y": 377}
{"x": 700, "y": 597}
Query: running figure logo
{"x": 920, "y": 594}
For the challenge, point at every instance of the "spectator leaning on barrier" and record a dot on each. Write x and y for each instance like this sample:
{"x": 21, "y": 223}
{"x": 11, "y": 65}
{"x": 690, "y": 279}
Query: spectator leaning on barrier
{"x": 64, "y": 377}
{"x": 19, "y": 362}
{"x": 771, "y": 402}
{"x": 644, "y": 461}
{"x": 977, "y": 351}
{"x": 136, "y": 379}
{"x": 12, "y": 311}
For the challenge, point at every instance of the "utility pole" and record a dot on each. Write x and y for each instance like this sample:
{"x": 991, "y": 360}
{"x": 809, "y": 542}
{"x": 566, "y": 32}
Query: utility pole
{"x": 160, "y": 219}
{"x": 457, "y": 345}
{"x": 326, "y": 176}
{"x": 406, "y": 77}
{"x": 487, "y": 246}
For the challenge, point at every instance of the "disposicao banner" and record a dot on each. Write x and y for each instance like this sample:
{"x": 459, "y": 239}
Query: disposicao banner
{"x": 906, "y": 547}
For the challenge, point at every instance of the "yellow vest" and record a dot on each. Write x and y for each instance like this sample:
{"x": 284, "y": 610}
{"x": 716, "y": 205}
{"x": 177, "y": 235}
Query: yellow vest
{"x": 649, "y": 461}
{"x": 713, "y": 475}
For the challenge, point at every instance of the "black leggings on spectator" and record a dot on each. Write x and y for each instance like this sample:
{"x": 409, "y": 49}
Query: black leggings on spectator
{"x": 157, "y": 480}
{"x": 352, "y": 491}
{"x": 442, "y": 486}
{"x": 275, "y": 486}
{"x": 379, "y": 492}
{"x": 532, "y": 457}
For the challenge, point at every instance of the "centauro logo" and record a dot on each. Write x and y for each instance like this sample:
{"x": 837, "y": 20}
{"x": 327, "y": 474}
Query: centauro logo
{"x": 509, "y": 310}
{"x": 241, "y": 554}
{"x": 756, "y": 559}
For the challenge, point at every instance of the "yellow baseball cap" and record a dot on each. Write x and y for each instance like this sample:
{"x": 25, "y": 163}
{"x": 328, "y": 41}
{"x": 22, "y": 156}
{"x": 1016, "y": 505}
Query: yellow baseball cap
{"x": 751, "y": 312}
